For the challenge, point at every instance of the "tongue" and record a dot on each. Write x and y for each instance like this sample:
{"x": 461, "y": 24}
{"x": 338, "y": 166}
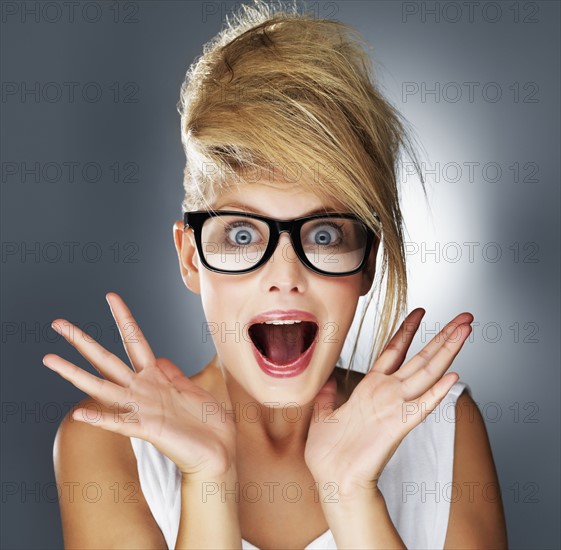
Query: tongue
{"x": 282, "y": 343}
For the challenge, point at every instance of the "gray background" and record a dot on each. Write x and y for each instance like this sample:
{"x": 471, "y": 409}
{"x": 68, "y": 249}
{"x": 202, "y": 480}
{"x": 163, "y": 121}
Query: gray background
{"x": 126, "y": 193}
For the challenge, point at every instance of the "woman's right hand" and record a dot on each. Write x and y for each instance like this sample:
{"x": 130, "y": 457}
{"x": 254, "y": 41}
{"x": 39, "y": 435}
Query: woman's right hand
{"x": 155, "y": 402}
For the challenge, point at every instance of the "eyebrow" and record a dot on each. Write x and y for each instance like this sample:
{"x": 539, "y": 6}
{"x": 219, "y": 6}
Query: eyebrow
{"x": 321, "y": 209}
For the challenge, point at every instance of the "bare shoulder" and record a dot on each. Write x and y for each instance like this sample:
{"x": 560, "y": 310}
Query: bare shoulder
{"x": 101, "y": 503}
{"x": 476, "y": 511}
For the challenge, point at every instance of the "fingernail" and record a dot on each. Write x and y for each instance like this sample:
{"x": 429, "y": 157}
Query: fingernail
{"x": 56, "y": 327}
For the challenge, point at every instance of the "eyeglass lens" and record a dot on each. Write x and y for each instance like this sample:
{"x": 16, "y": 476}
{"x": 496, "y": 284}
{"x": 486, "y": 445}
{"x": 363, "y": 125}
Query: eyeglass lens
{"x": 235, "y": 243}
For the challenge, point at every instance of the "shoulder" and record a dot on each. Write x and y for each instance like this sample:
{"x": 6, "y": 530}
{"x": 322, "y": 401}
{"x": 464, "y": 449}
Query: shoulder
{"x": 476, "y": 510}
{"x": 101, "y": 502}
{"x": 76, "y": 442}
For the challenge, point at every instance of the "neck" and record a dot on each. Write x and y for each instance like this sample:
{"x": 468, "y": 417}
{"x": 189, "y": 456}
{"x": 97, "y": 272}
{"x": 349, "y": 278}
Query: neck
{"x": 279, "y": 431}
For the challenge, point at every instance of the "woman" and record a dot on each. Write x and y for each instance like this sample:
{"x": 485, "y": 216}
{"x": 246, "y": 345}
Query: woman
{"x": 290, "y": 188}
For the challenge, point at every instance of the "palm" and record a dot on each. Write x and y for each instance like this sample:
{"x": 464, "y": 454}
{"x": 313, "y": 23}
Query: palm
{"x": 340, "y": 446}
{"x": 179, "y": 418}
{"x": 155, "y": 401}
{"x": 355, "y": 442}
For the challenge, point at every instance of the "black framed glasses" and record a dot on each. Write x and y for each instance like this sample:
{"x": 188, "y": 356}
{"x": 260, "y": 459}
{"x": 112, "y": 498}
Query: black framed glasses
{"x": 332, "y": 244}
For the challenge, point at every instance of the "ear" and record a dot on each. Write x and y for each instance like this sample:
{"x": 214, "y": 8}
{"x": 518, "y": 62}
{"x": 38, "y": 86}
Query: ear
{"x": 188, "y": 256}
{"x": 369, "y": 269}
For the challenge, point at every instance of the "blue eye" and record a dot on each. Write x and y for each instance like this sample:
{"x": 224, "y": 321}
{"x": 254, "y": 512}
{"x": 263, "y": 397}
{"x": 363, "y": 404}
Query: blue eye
{"x": 326, "y": 237}
{"x": 321, "y": 237}
{"x": 241, "y": 237}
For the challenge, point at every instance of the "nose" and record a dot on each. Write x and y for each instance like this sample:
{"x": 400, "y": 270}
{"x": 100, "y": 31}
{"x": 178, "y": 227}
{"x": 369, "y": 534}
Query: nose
{"x": 284, "y": 268}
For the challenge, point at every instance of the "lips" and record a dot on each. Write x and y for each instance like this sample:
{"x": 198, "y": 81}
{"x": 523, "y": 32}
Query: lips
{"x": 282, "y": 344}
{"x": 283, "y": 348}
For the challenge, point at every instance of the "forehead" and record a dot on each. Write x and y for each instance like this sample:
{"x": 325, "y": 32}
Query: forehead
{"x": 276, "y": 198}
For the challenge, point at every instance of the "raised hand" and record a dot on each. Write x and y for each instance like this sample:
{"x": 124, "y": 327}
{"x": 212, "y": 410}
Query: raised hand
{"x": 351, "y": 445}
{"x": 155, "y": 401}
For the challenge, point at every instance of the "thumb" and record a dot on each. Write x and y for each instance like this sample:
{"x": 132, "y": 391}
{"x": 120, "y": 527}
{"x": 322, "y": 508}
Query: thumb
{"x": 325, "y": 400}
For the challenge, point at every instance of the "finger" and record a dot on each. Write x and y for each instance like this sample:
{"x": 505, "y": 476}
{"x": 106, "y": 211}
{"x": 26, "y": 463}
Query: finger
{"x": 174, "y": 374}
{"x": 431, "y": 349}
{"x": 396, "y": 350}
{"x": 138, "y": 350}
{"x": 123, "y": 424}
{"x": 416, "y": 411}
{"x": 424, "y": 378}
{"x": 104, "y": 391}
{"x": 107, "y": 364}
{"x": 179, "y": 380}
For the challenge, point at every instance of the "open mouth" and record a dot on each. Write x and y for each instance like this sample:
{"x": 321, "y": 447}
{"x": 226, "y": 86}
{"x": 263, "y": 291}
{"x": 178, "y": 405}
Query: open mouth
{"x": 282, "y": 344}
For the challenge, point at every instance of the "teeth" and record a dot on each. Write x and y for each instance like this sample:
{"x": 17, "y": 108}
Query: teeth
{"x": 287, "y": 322}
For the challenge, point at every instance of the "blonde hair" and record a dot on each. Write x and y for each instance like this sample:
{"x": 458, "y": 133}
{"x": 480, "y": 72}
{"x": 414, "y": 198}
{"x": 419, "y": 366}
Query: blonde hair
{"x": 281, "y": 88}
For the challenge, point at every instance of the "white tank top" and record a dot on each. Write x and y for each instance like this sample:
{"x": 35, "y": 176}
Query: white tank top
{"x": 416, "y": 482}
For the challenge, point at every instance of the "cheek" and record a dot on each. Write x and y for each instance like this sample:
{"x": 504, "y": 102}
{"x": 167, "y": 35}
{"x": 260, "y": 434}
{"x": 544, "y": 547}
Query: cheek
{"x": 224, "y": 299}
{"x": 219, "y": 293}
{"x": 344, "y": 295}
{"x": 340, "y": 301}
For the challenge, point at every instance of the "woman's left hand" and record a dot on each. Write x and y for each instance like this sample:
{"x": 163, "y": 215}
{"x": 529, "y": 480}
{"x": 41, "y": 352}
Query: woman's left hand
{"x": 350, "y": 446}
